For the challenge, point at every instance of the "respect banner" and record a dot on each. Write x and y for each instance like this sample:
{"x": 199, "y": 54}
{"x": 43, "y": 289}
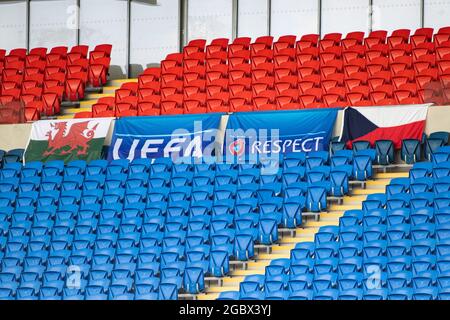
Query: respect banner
{"x": 279, "y": 132}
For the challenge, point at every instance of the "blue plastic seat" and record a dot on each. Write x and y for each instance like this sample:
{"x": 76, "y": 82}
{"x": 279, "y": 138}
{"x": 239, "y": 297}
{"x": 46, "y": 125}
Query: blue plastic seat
{"x": 228, "y": 295}
{"x": 385, "y": 152}
{"x": 292, "y": 175}
{"x": 360, "y": 145}
{"x": 301, "y": 295}
{"x": 399, "y": 248}
{"x": 316, "y": 198}
{"x": 302, "y": 250}
{"x": 219, "y": 263}
{"x": 296, "y": 159}
{"x": 300, "y": 282}
{"x": 203, "y": 178}
{"x": 351, "y": 218}
{"x": 349, "y": 281}
{"x": 342, "y": 157}
{"x": 316, "y": 159}
{"x": 326, "y": 234}
{"x": 297, "y": 189}
{"x": 292, "y": 211}
{"x": 374, "y": 201}
{"x": 336, "y": 146}
{"x": 420, "y": 185}
{"x": 326, "y": 250}
{"x": 339, "y": 182}
{"x": 325, "y": 266}
{"x": 423, "y": 263}
{"x": 350, "y": 233}
{"x": 420, "y": 170}
{"x": 375, "y": 248}
{"x": 244, "y": 247}
{"x": 410, "y": 151}
{"x": 362, "y": 166}
{"x": 429, "y": 293}
{"x": 31, "y": 169}
{"x": 424, "y": 279}
{"x": 350, "y": 249}
{"x": 318, "y": 174}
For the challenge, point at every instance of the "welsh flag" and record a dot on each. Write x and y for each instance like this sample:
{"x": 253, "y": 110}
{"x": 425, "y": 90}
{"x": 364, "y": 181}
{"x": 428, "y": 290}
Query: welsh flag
{"x": 75, "y": 139}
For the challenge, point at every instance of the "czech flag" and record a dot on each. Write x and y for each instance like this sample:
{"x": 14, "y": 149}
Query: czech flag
{"x": 393, "y": 123}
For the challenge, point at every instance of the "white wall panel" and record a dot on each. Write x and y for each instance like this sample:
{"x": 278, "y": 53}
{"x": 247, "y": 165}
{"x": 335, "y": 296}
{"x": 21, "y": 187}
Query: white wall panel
{"x": 345, "y": 16}
{"x": 53, "y": 23}
{"x": 253, "y": 18}
{"x": 294, "y": 17}
{"x": 154, "y": 32}
{"x": 437, "y": 13}
{"x": 105, "y": 21}
{"x": 210, "y": 19}
{"x": 396, "y": 14}
{"x": 13, "y": 25}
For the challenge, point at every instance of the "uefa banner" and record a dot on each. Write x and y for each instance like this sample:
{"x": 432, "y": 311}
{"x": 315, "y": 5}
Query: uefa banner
{"x": 263, "y": 133}
{"x": 75, "y": 139}
{"x": 394, "y": 123}
{"x": 164, "y": 136}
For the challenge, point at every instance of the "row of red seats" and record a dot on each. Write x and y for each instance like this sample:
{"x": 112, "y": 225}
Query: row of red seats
{"x": 41, "y": 80}
{"x": 308, "y": 73}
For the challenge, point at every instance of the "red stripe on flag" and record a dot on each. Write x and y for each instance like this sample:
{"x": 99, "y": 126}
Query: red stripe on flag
{"x": 413, "y": 130}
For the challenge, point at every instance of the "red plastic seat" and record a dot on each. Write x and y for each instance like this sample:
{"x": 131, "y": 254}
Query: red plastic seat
{"x": 31, "y": 114}
{"x": 155, "y": 72}
{"x": 38, "y": 105}
{"x": 263, "y": 104}
{"x": 98, "y": 72}
{"x": 102, "y": 110}
{"x": 12, "y": 92}
{"x": 398, "y": 36}
{"x": 125, "y": 110}
{"x": 148, "y": 109}
{"x": 82, "y": 49}
{"x": 52, "y": 103}
{"x": 216, "y": 52}
{"x": 421, "y": 35}
{"x": 110, "y": 101}
{"x": 146, "y": 92}
{"x": 19, "y": 52}
{"x": 213, "y": 90}
{"x": 216, "y": 105}
{"x": 58, "y": 90}
{"x": 74, "y": 89}
{"x": 194, "y": 106}
{"x": 240, "y": 104}
{"x": 107, "y": 48}
{"x": 83, "y": 115}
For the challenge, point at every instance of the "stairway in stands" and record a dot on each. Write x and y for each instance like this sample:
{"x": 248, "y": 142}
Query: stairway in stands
{"x": 91, "y": 98}
{"x": 289, "y": 238}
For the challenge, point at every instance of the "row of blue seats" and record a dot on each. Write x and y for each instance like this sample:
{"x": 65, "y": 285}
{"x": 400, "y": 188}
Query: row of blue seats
{"x": 414, "y": 217}
{"x": 308, "y": 160}
{"x": 165, "y": 291}
{"x": 412, "y": 150}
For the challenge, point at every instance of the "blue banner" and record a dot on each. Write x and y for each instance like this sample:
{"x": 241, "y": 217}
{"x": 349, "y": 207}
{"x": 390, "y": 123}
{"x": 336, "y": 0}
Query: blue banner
{"x": 262, "y": 133}
{"x": 164, "y": 136}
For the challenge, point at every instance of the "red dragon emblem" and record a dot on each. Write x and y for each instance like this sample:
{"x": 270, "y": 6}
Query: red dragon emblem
{"x": 76, "y": 138}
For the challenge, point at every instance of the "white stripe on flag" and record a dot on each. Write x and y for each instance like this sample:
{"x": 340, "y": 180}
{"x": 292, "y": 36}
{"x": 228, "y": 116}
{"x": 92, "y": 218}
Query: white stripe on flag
{"x": 393, "y": 116}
